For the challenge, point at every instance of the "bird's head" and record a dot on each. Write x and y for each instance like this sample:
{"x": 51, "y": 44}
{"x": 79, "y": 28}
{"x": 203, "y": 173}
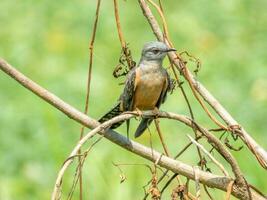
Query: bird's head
{"x": 155, "y": 51}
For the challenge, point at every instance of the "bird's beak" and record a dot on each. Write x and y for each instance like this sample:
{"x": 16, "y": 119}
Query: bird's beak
{"x": 171, "y": 49}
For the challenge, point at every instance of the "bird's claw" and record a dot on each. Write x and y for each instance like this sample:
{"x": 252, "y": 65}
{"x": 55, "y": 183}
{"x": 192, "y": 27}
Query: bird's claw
{"x": 139, "y": 112}
{"x": 155, "y": 111}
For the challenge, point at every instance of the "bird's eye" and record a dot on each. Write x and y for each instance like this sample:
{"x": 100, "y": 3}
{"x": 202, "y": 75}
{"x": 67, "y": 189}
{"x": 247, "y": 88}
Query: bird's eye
{"x": 155, "y": 51}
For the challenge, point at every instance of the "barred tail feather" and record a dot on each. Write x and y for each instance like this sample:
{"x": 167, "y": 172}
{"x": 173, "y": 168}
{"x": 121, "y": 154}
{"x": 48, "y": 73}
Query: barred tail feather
{"x": 142, "y": 126}
{"x": 115, "y": 111}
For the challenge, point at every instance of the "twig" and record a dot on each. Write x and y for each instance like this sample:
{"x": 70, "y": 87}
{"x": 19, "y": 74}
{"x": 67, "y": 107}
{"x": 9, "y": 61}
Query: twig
{"x": 187, "y": 187}
{"x": 91, "y": 50}
{"x": 137, "y": 164}
{"x": 168, "y": 183}
{"x": 122, "y": 175}
{"x": 164, "y": 145}
{"x": 207, "y": 192}
{"x": 219, "y": 137}
{"x": 209, "y": 179}
{"x": 122, "y": 40}
{"x": 79, "y": 167}
{"x": 161, "y": 138}
{"x": 209, "y": 155}
{"x": 118, "y": 24}
{"x": 165, "y": 27}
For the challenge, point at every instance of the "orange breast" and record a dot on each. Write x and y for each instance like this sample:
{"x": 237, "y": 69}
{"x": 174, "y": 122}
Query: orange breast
{"x": 148, "y": 90}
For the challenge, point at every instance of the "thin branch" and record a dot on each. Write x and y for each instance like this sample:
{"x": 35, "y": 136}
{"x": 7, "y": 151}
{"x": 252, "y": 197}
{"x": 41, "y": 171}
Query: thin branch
{"x": 122, "y": 41}
{"x": 256, "y": 149}
{"x": 79, "y": 167}
{"x": 91, "y": 51}
{"x": 168, "y": 183}
{"x": 207, "y": 192}
{"x": 164, "y": 144}
{"x": 161, "y": 138}
{"x": 121, "y": 37}
{"x": 209, "y": 155}
{"x": 165, "y": 27}
{"x": 208, "y": 179}
{"x": 90, "y": 66}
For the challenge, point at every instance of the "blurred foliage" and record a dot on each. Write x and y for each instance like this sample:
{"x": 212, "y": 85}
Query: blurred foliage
{"x": 48, "y": 41}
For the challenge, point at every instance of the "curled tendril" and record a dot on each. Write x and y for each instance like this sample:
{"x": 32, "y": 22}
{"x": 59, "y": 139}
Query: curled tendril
{"x": 126, "y": 63}
{"x": 192, "y": 59}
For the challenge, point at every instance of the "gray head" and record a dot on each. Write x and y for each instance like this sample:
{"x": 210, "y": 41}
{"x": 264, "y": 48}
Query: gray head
{"x": 155, "y": 51}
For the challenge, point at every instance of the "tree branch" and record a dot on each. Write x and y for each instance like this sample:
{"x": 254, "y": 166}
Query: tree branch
{"x": 209, "y": 155}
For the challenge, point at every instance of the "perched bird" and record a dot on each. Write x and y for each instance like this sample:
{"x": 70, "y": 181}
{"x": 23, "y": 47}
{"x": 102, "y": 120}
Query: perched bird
{"x": 146, "y": 86}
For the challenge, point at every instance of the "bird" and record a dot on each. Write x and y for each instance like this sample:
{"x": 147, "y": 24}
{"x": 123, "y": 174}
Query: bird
{"x": 146, "y": 86}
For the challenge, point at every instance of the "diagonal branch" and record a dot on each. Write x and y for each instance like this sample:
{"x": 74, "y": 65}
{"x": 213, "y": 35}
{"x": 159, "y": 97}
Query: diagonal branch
{"x": 206, "y": 178}
{"x": 209, "y": 155}
{"x": 255, "y": 148}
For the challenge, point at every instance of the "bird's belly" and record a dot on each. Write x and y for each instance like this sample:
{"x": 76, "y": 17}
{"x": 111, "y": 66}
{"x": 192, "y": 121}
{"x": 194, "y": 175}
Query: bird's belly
{"x": 148, "y": 92}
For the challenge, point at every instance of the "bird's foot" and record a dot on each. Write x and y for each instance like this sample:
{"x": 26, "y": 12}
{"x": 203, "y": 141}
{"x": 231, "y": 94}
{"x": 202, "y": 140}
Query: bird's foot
{"x": 139, "y": 112}
{"x": 155, "y": 111}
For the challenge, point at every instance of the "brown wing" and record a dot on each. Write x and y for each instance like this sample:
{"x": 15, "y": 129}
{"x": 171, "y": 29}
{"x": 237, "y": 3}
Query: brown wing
{"x": 125, "y": 101}
{"x": 127, "y": 96}
{"x": 165, "y": 89}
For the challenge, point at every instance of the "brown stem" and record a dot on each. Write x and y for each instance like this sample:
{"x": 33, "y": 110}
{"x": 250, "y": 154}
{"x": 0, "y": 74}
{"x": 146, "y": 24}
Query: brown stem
{"x": 122, "y": 40}
{"x": 90, "y": 66}
{"x": 161, "y": 138}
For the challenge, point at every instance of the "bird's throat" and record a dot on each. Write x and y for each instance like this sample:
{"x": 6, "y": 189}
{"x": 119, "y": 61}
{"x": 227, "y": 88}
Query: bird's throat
{"x": 151, "y": 65}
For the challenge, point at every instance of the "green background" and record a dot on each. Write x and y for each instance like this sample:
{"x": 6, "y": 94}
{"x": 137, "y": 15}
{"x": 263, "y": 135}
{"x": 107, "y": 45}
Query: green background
{"x": 48, "y": 41}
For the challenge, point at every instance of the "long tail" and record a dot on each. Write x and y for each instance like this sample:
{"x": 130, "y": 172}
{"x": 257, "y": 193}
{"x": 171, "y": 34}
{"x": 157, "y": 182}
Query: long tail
{"x": 115, "y": 111}
{"x": 142, "y": 126}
